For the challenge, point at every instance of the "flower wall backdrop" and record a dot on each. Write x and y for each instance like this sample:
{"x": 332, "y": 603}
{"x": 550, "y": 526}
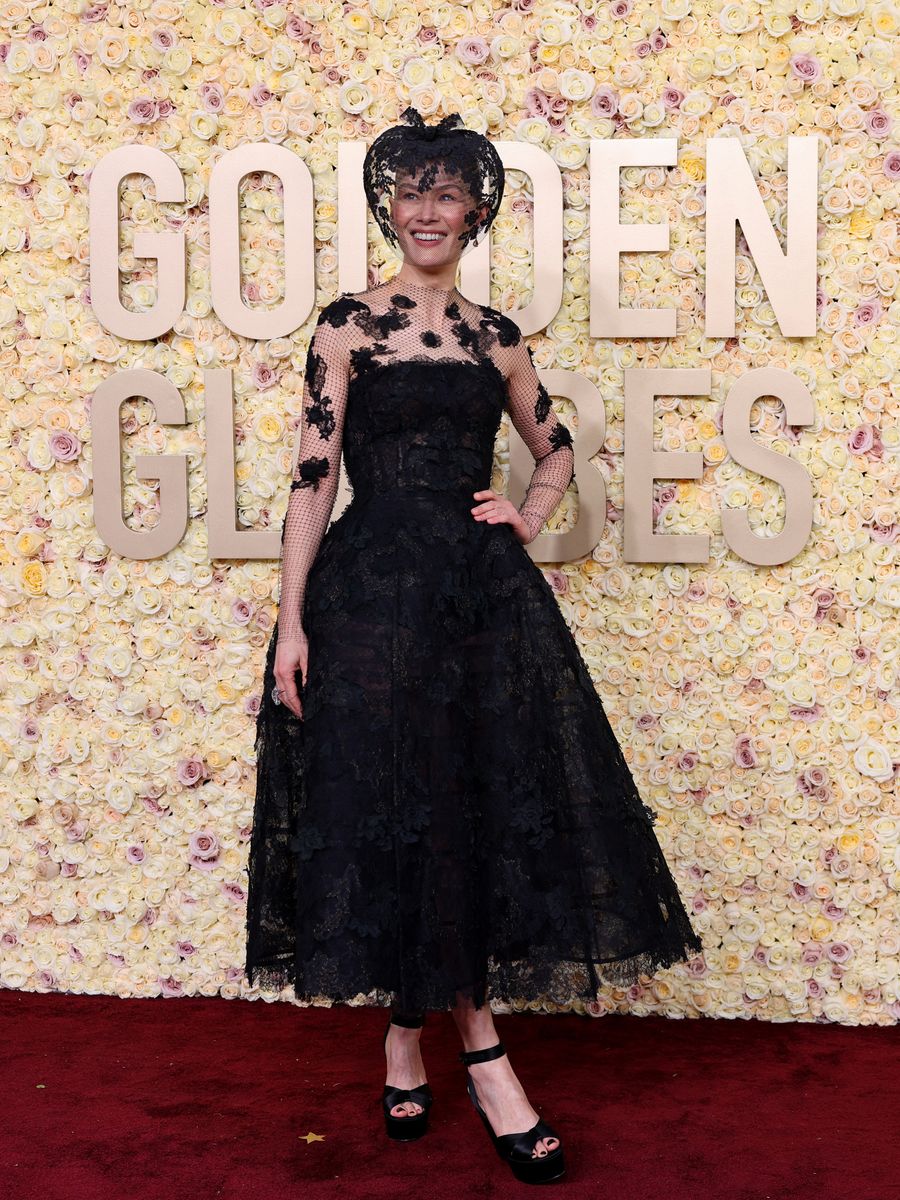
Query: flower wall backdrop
{"x": 758, "y": 707}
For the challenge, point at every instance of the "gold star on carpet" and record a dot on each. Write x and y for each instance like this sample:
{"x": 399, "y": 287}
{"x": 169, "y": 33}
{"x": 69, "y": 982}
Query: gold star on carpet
{"x": 312, "y": 1137}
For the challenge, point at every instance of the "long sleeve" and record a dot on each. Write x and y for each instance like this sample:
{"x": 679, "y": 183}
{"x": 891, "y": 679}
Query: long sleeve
{"x": 545, "y": 436}
{"x": 316, "y": 473}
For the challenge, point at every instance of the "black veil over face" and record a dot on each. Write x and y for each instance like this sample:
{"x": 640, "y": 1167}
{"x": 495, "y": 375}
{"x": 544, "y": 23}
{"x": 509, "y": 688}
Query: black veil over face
{"x": 417, "y": 149}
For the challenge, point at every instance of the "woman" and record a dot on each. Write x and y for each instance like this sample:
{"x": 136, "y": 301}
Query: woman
{"x": 442, "y": 809}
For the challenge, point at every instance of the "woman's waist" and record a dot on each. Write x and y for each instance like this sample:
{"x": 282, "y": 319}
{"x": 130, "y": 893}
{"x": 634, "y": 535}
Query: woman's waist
{"x": 458, "y": 492}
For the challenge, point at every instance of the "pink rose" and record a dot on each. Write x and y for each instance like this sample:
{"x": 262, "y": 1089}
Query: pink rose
{"x": 878, "y": 123}
{"x": 811, "y": 779}
{"x": 806, "y": 67}
{"x": 862, "y": 439}
{"x": 142, "y": 112}
{"x": 263, "y": 375}
{"x": 29, "y": 730}
{"x": 885, "y": 535}
{"x": 604, "y": 102}
{"x": 472, "y": 50}
{"x": 868, "y": 313}
{"x": 744, "y": 752}
{"x": 162, "y": 39}
{"x": 839, "y": 952}
{"x": 64, "y": 446}
{"x": 212, "y": 97}
{"x": 260, "y": 95}
{"x": 204, "y": 850}
{"x": 805, "y": 714}
{"x": 658, "y": 41}
{"x": 296, "y": 27}
{"x": 191, "y": 771}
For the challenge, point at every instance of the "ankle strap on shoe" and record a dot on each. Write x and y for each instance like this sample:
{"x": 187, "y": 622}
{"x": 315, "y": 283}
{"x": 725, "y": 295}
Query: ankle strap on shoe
{"x": 408, "y": 1020}
{"x": 477, "y": 1056}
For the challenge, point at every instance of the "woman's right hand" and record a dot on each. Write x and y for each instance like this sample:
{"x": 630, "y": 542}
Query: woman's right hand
{"x": 291, "y": 656}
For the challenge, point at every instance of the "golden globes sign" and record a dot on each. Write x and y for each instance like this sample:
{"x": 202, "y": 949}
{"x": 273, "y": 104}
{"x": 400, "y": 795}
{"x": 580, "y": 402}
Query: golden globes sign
{"x": 788, "y": 276}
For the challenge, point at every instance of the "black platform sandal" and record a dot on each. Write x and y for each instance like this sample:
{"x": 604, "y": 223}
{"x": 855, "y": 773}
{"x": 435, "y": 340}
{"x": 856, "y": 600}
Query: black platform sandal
{"x": 516, "y": 1148}
{"x": 406, "y": 1129}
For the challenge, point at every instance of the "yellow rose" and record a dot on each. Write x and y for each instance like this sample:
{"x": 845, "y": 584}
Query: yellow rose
{"x": 269, "y": 428}
{"x": 884, "y": 21}
{"x": 693, "y": 167}
{"x": 27, "y": 543}
{"x": 34, "y": 578}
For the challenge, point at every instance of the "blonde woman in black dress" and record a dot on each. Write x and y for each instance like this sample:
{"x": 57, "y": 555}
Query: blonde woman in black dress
{"x": 443, "y": 813}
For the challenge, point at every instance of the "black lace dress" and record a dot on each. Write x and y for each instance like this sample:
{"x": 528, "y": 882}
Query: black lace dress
{"x": 453, "y": 813}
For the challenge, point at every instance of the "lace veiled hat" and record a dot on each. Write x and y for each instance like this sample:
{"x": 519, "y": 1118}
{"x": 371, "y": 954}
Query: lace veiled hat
{"x": 417, "y": 147}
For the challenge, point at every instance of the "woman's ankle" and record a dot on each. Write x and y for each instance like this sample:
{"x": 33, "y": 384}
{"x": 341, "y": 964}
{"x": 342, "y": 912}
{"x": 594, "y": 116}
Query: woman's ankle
{"x": 477, "y": 1031}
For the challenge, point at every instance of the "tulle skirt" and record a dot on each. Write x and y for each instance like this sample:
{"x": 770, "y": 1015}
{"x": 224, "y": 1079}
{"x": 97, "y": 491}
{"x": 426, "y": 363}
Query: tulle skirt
{"x": 453, "y": 815}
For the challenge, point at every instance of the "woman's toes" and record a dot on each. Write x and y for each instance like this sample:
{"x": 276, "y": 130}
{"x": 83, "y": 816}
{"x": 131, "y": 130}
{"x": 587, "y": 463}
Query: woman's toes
{"x": 407, "y": 1109}
{"x": 544, "y": 1146}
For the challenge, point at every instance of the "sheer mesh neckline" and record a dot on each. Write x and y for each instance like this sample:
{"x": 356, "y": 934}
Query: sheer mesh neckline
{"x": 411, "y": 327}
{"x": 396, "y": 283}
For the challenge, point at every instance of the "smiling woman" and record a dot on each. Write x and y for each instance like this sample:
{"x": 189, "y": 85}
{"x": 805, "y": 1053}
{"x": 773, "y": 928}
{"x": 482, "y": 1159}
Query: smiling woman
{"x": 443, "y": 812}
{"x": 412, "y": 170}
{"x": 431, "y": 216}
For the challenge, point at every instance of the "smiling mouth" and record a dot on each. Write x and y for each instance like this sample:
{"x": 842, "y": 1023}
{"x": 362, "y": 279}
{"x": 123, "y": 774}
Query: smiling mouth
{"x": 428, "y": 239}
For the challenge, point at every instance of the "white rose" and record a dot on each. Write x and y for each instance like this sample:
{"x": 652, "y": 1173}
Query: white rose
{"x": 576, "y": 85}
{"x": 873, "y": 760}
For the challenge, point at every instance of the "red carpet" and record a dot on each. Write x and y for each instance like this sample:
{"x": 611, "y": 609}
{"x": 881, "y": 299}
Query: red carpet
{"x": 109, "y": 1099}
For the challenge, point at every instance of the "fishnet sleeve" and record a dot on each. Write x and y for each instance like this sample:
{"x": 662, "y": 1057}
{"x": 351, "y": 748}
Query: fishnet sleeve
{"x": 315, "y": 478}
{"x": 545, "y": 436}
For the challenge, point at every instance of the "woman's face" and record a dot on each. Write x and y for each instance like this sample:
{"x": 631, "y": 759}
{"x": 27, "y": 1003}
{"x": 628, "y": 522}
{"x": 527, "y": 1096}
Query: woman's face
{"x": 428, "y": 223}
